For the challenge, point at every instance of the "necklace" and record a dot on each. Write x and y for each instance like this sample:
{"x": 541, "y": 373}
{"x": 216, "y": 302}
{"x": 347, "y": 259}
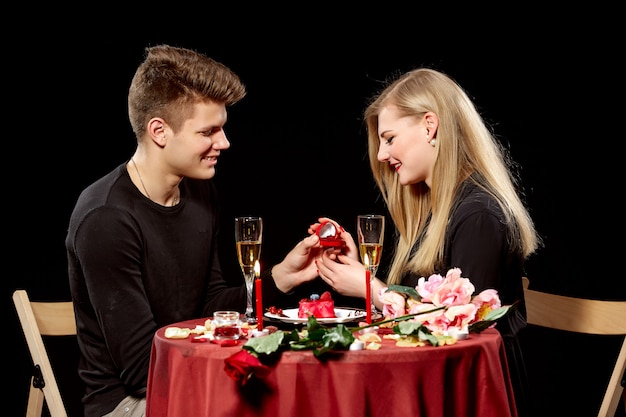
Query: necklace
{"x": 140, "y": 179}
{"x": 144, "y": 185}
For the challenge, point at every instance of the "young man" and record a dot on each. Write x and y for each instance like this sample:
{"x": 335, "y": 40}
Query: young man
{"x": 141, "y": 243}
{"x": 142, "y": 240}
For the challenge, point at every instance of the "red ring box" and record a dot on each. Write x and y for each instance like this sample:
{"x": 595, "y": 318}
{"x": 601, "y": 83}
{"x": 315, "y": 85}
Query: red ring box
{"x": 329, "y": 235}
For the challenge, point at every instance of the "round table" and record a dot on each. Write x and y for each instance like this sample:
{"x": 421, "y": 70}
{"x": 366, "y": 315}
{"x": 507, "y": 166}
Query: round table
{"x": 466, "y": 378}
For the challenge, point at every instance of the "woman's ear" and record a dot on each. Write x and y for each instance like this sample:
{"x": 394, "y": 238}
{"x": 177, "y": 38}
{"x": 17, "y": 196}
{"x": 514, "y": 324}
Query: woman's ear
{"x": 432, "y": 123}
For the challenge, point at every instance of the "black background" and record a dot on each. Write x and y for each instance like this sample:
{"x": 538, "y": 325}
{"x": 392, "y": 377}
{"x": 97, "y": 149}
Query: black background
{"x": 548, "y": 85}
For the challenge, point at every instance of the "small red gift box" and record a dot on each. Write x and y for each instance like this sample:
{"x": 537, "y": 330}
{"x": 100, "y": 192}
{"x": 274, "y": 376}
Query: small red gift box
{"x": 329, "y": 235}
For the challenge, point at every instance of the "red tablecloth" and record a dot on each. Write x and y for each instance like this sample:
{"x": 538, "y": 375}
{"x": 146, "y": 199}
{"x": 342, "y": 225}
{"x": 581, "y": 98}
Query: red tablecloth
{"x": 465, "y": 379}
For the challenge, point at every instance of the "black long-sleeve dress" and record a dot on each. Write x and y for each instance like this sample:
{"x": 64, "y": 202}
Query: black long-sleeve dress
{"x": 477, "y": 241}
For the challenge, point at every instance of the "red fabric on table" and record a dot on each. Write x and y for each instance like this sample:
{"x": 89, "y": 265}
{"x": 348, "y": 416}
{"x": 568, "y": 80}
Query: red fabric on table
{"x": 467, "y": 378}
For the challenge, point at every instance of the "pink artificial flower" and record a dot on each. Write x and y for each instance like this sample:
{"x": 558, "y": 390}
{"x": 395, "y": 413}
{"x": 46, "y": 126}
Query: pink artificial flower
{"x": 418, "y": 308}
{"x": 460, "y": 316}
{"x": 454, "y": 290}
{"x": 426, "y": 287}
{"x": 393, "y": 303}
{"x": 485, "y": 302}
{"x": 453, "y": 293}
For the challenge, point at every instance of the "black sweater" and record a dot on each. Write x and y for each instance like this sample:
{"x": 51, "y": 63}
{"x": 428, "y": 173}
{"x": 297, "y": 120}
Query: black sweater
{"x": 135, "y": 266}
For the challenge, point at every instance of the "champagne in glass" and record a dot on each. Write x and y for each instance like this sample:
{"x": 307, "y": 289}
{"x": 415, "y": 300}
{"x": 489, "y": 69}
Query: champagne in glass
{"x": 248, "y": 238}
{"x": 371, "y": 232}
{"x": 370, "y": 255}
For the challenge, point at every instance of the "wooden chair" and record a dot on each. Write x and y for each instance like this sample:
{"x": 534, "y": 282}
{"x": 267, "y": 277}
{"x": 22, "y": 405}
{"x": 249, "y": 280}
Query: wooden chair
{"x": 587, "y": 316}
{"x": 43, "y": 319}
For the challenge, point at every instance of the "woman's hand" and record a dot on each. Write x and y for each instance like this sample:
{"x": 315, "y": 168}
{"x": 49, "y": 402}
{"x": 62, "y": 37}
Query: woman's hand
{"x": 344, "y": 274}
{"x": 347, "y": 276}
{"x": 350, "y": 249}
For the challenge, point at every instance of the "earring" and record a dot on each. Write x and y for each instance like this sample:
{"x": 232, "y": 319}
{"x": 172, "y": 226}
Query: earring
{"x": 433, "y": 142}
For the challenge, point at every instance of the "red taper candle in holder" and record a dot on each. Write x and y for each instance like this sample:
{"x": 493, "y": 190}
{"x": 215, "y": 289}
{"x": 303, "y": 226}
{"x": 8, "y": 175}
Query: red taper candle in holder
{"x": 368, "y": 294}
{"x": 259, "y": 299}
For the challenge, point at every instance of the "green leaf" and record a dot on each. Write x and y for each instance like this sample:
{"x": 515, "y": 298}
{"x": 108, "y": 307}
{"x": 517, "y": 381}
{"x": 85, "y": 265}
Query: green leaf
{"x": 407, "y": 327}
{"x": 497, "y": 313}
{"x": 303, "y": 344}
{"x": 416, "y": 328}
{"x": 292, "y": 336}
{"x": 403, "y": 289}
{"x": 317, "y": 334}
{"x": 490, "y": 318}
{"x": 336, "y": 338}
{"x": 312, "y": 324}
{"x": 479, "y": 326}
{"x": 265, "y": 344}
{"x": 425, "y": 335}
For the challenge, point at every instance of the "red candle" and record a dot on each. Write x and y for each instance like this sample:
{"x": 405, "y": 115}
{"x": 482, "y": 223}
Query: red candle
{"x": 368, "y": 297}
{"x": 259, "y": 299}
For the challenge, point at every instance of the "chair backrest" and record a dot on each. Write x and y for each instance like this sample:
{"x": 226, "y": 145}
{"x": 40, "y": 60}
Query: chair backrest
{"x": 39, "y": 319}
{"x": 587, "y": 316}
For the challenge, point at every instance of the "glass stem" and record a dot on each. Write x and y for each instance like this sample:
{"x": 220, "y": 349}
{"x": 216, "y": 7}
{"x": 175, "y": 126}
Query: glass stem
{"x": 373, "y": 270}
{"x": 249, "y": 283}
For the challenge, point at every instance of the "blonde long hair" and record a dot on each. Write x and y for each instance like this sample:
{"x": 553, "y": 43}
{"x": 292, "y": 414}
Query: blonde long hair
{"x": 465, "y": 146}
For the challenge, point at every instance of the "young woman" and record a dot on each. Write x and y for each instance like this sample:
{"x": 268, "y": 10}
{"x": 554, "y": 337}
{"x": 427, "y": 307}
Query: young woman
{"x": 453, "y": 198}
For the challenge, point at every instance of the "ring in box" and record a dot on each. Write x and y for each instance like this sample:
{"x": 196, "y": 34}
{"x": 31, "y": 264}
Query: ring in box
{"x": 329, "y": 235}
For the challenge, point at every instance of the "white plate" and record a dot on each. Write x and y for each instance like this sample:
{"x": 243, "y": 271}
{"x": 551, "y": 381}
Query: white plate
{"x": 343, "y": 315}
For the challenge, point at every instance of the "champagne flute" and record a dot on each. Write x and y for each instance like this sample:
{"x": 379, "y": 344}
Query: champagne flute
{"x": 371, "y": 232}
{"x": 248, "y": 238}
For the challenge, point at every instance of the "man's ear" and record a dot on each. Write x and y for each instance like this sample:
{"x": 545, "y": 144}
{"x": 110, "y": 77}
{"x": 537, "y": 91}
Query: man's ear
{"x": 156, "y": 129}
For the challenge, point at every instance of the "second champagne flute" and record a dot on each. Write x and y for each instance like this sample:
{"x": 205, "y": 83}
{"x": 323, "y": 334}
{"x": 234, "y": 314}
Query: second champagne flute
{"x": 248, "y": 238}
{"x": 371, "y": 232}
